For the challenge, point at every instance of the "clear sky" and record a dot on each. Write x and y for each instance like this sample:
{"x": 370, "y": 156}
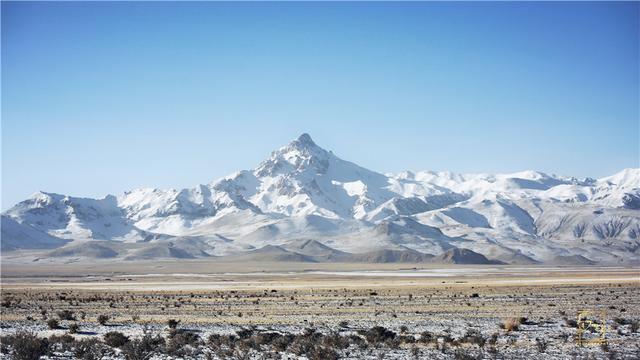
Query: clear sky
{"x": 100, "y": 98}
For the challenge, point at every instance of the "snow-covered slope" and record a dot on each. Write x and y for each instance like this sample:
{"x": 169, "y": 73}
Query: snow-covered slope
{"x": 303, "y": 192}
{"x": 74, "y": 218}
{"x": 23, "y": 236}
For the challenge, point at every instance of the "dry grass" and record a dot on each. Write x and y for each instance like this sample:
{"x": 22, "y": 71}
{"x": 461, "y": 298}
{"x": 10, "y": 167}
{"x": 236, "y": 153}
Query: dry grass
{"x": 511, "y": 324}
{"x": 324, "y": 305}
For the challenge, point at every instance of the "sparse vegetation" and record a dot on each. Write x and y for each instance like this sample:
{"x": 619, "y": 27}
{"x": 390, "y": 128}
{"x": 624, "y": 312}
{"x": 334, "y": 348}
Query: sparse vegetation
{"x": 326, "y": 337}
{"x": 182, "y": 343}
{"x": 378, "y": 334}
{"x": 89, "y": 349}
{"x": 65, "y": 315}
{"x": 115, "y": 339}
{"x": 26, "y": 346}
{"x": 143, "y": 348}
{"x": 62, "y": 343}
{"x": 473, "y": 336}
{"x": 542, "y": 344}
{"x": 173, "y": 323}
{"x": 53, "y": 324}
{"x": 73, "y": 328}
{"x": 102, "y": 319}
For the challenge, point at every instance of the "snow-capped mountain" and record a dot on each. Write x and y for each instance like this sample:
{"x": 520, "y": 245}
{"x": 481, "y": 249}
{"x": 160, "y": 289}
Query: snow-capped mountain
{"x": 303, "y": 193}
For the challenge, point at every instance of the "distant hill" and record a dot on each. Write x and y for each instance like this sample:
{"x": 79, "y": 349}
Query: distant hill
{"x": 463, "y": 256}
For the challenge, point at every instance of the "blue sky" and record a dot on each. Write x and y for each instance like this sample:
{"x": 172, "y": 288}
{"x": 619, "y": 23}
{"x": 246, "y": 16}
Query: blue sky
{"x": 100, "y": 98}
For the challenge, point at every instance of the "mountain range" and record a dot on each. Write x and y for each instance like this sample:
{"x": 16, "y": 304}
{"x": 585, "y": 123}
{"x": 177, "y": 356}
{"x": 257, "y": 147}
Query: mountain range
{"x": 304, "y": 203}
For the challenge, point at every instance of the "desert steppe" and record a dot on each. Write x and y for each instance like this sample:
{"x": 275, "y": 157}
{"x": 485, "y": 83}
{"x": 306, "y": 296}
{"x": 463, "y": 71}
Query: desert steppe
{"x": 320, "y": 311}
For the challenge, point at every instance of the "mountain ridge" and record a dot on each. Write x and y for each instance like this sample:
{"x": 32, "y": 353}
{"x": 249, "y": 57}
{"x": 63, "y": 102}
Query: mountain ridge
{"x": 302, "y": 191}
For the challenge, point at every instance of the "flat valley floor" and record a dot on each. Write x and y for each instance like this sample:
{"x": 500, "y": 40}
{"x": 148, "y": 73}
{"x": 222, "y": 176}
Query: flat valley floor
{"x": 321, "y": 311}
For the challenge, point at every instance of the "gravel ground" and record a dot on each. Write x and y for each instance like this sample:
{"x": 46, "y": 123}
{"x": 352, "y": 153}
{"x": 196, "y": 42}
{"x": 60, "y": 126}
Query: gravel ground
{"x": 546, "y": 315}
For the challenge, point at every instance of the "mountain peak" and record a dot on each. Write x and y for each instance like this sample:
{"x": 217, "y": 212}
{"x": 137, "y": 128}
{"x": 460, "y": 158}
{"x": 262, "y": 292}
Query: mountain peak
{"x": 296, "y": 156}
{"x": 303, "y": 141}
{"x": 305, "y": 138}
{"x": 627, "y": 178}
{"x": 302, "y": 147}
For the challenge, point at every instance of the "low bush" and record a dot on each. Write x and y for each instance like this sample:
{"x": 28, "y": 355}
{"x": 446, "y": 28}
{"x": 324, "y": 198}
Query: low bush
{"x": 322, "y": 353}
{"x": 217, "y": 341}
{"x": 65, "y": 315}
{"x": 301, "y": 345}
{"x": 474, "y": 336}
{"x": 143, "y": 348}
{"x": 378, "y": 334}
{"x": 541, "y": 345}
{"x": 335, "y": 341}
{"x": 102, "y": 319}
{"x": 280, "y": 343}
{"x": 53, "y": 324}
{"x": 115, "y": 339}
{"x": 245, "y": 333}
{"x": 426, "y": 337}
{"x": 89, "y": 349}
{"x": 173, "y": 323}
{"x": 61, "y": 343}
{"x": 571, "y": 323}
{"x": 73, "y": 328}
{"x": 27, "y": 346}
{"x": 466, "y": 354}
{"x": 182, "y": 343}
